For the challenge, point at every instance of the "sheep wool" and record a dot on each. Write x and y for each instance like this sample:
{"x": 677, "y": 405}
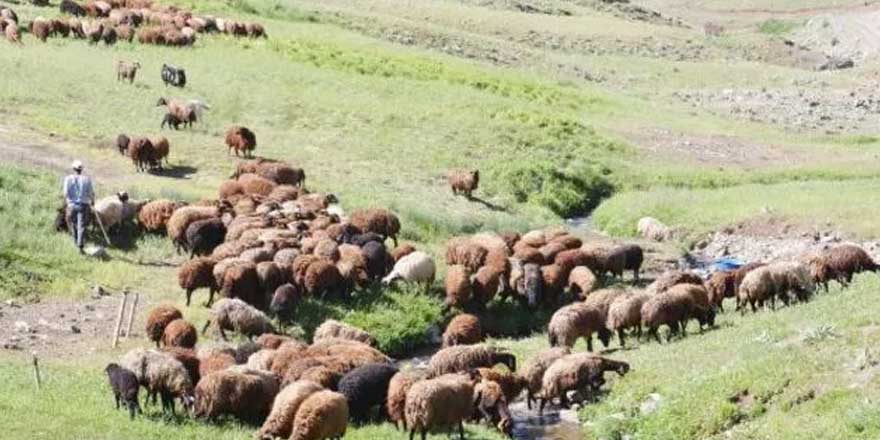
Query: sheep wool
{"x": 461, "y": 358}
{"x": 158, "y": 319}
{"x": 395, "y": 402}
{"x": 458, "y": 286}
{"x": 463, "y": 329}
{"x": 533, "y": 372}
{"x": 323, "y": 415}
{"x": 625, "y": 312}
{"x": 234, "y": 314}
{"x": 442, "y": 402}
{"x": 335, "y": 329}
{"x": 575, "y": 321}
{"x": 279, "y": 424}
{"x": 180, "y": 333}
{"x": 246, "y": 394}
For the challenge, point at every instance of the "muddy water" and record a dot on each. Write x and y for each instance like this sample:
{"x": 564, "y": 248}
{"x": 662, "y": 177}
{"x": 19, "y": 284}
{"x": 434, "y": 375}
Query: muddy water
{"x": 553, "y": 425}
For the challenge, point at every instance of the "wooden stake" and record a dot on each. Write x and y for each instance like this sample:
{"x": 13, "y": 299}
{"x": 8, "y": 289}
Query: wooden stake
{"x": 131, "y": 312}
{"x": 37, "y": 377}
{"x": 119, "y": 319}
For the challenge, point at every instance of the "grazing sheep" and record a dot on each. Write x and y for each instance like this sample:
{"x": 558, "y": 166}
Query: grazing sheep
{"x": 402, "y": 251}
{"x": 203, "y": 236}
{"x": 241, "y": 139}
{"x": 395, "y": 403}
{"x": 279, "y": 424}
{"x": 672, "y": 310}
{"x": 241, "y": 281}
{"x": 215, "y": 362}
{"x": 581, "y": 282}
{"x": 575, "y": 321}
{"x": 491, "y": 404}
{"x": 253, "y": 184}
{"x": 774, "y": 280}
{"x": 462, "y": 358}
{"x": 377, "y": 220}
{"x": 171, "y": 120}
{"x": 624, "y": 313}
{"x": 464, "y": 329}
{"x": 108, "y": 35}
{"x": 323, "y": 279}
{"x": 236, "y": 315}
{"x": 72, "y": 8}
{"x": 158, "y": 319}
{"x": 11, "y": 31}
{"x": 115, "y": 211}
{"x": 180, "y": 333}
{"x": 576, "y": 372}
{"x": 141, "y": 152}
{"x": 41, "y": 28}
{"x": 125, "y": 32}
{"x": 335, "y": 329}
{"x": 245, "y": 393}
{"x": 154, "y": 216}
{"x": 512, "y": 384}
{"x": 673, "y": 277}
{"x": 533, "y": 372}
{"x": 366, "y": 387}
{"x": 463, "y": 181}
{"x": 379, "y": 262}
{"x": 255, "y": 30}
{"x": 125, "y": 386}
{"x": 633, "y": 256}
{"x": 262, "y": 359}
{"x": 161, "y": 374}
{"x": 323, "y": 415}
{"x": 180, "y": 112}
{"x": 93, "y": 30}
{"x": 172, "y": 75}
{"x": 653, "y": 229}
{"x": 272, "y": 342}
{"x": 603, "y": 298}
{"x": 840, "y": 263}
{"x": 486, "y": 283}
{"x": 439, "y": 403}
{"x": 458, "y": 286}
{"x": 281, "y": 173}
{"x": 554, "y": 281}
{"x": 188, "y": 358}
{"x": 722, "y": 284}
{"x": 183, "y": 217}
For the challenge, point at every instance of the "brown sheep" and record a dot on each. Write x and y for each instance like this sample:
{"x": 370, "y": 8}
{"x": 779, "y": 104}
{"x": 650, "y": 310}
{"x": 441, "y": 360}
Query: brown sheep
{"x": 188, "y": 358}
{"x": 624, "y": 313}
{"x": 161, "y": 149}
{"x": 229, "y": 189}
{"x": 581, "y": 282}
{"x": 533, "y": 372}
{"x": 402, "y": 251}
{"x": 550, "y": 250}
{"x": 575, "y": 372}
{"x": 215, "y": 362}
{"x": 458, "y": 286}
{"x": 255, "y": 30}
{"x": 246, "y": 394}
{"x": 722, "y": 284}
{"x": 491, "y": 405}
{"x": 460, "y": 250}
{"x": 241, "y": 139}
{"x": 323, "y": 415}
{"x": 633, "y": 258}
{"x": 463, "y": 181}
{"x": 575, "y": 321}
{"x": 395, "y": 402}
{"x": 195, "y": 274}
{"x": 485, "y": 284}
{"x": 41, "y": 28}
{"x": 271, "y": 341}
{"x": 11, "y": 31}
{"x": 462, "y": 358}
{"x": 253, "y": 184}
{"x": 667, "y": 309}
{"x": 511, "y": 383}
{"x": 125, "y": 33}
{"x": 180, "y": 333}
{"x": 442, "y": 402}
{"x": 141, "y": 152}
{"x": 376, "y": 220}
{"x": 323, "y": 278}
{"x": 463, "y": 329}
{"x": 60, "y": 27}
{"x": 281, "y": 173}
{"x": 279, "y": 424}
{"x": 555, "y": 279}
{"x": 154, "y": 216}
{"x": 673, "y": 277}
{"x": 183, "y": 217}
{"x": 840, "y": 263}
{"x": 242, "y": 281}
{"x": 158, "y": 319}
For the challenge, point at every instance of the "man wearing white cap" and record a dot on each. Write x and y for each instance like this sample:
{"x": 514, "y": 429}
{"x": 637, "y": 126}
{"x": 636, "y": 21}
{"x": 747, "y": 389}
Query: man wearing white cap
{"x": 80, "y": 197}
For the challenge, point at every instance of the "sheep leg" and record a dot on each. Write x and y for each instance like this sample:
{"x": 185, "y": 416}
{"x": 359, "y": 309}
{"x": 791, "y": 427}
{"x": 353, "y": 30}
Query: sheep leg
{"x": 188, "y": 296}
{"x": 210, "y": 297}
{"x": 621, "y": 337}
{"x": 653, "y": 331}
{"x": 461, "y": 429}
{"x": 590, "y": 343}
{"x": 116, "y": 397}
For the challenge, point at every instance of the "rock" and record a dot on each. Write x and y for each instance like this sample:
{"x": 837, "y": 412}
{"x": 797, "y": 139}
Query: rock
{"x": 75, "y": 330}
{"x": 90, "y": 307}
{"x": 23, "y": 327}
{"x": 835, "y": 63}
{"x": 651, "y": 404}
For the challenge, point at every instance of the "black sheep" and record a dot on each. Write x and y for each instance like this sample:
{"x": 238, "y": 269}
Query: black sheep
{"x": 72, "y": 8}
{"x": 633, "y": 258}
{"x": 125, "y": 387}
{"x": 122, "y": 142}
{"x": 366, "y": 387}
{"x": 285, "y": 301}
{"x": 203, "y": 236}
{"x": 61, "y": 219}
{"x": 379, "y": 261}
{"x": 174, "y": 76}
{"x": 362, "y": 239}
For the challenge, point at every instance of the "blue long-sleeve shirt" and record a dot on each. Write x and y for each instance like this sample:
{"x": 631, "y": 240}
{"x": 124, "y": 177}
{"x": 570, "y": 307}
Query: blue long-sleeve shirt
{"x": 78, "y": 189}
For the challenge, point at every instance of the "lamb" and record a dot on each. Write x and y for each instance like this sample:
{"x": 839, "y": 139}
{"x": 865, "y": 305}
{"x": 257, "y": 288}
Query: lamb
{"x": 241, "y": 139}
{"x": 625, "y": 312}
{"x": 395, "y": 402}
{"x": 245, "y": 393}
{"x": 575, "y": 321}
{"x": 491, "y": 405}
{"x": 458, "y": 286}
{"x": 154, "y": 216}
{"x": 461, "y": 358}
{"x": 203, "y": 236}
{"x": 180, "y": 333}
{"x": 653, "y": 229}
{"x": 463, "y": 181}
{"x": 366, "y": 387}
{"x": 285, "y": 301}
{"x": 161, "y": 374}
{"x": 581, "y": 282}
{"x": 125, "y": 387}
{"x": 441, "y": 402}
{"x": 840, "y": 263}
{"x": 236, "y": 315}
{"x": 279, "y": 424}
{"x": 158, "y": 319}
{"x": 335, "y": 329}
{"x": 574, "y": 372}
{"x": 533, "y": 372}
{"x": 377, "y": 220}
{"x": 464, "y": 329}
{"x": 323, "y": 415}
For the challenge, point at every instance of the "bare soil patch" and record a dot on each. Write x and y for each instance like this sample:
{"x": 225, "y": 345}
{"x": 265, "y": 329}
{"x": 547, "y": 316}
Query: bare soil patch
{"x": 710, "y": 149}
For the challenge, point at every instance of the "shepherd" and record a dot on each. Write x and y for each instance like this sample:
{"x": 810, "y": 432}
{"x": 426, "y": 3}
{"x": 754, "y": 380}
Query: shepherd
{"x": 79, "y": 198}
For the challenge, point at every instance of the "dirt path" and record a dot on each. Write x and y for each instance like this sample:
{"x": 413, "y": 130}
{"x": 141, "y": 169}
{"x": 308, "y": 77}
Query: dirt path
{"x": 23, "y": 146}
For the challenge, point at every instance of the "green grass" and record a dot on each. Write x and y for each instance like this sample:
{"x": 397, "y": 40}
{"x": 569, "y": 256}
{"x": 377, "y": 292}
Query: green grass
{"x": 778, "y": 27}
{"x": 76, "y": 402}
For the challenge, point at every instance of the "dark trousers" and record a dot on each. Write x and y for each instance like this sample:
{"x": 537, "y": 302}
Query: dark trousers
{"x": 77, "y": 221}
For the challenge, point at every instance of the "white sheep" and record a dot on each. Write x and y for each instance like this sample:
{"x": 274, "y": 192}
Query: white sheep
{"x": 198, "y": 107}
{"x": 237, "y": 315}
{"x": 653, "y": 229}
{"x": 417, "y": 267}
{"x": 114, "y": 210}
{"x": 161, "y": 374}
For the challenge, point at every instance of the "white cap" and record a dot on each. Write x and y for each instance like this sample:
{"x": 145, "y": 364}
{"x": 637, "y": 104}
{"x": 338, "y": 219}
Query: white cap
{"x": 77, "y": 165}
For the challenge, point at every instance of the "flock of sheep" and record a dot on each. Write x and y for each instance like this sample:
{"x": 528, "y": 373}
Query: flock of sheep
{"x": 114, "y": 20}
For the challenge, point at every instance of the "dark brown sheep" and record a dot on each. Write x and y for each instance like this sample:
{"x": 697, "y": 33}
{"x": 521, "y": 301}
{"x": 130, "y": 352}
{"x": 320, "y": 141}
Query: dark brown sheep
{"x": 158, "y": 319}
{"x": 463, "y": 181}
{"x": 242, "y": 140}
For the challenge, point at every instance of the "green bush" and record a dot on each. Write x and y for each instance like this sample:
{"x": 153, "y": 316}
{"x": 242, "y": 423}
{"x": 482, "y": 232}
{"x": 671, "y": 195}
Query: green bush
{"x": 567, "y": 192}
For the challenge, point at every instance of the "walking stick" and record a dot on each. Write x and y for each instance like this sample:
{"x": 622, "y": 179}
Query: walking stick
{"x": 101, "y": 225}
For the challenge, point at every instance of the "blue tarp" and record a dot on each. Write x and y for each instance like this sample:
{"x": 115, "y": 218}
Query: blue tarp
{"x": 725, "y": 264}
